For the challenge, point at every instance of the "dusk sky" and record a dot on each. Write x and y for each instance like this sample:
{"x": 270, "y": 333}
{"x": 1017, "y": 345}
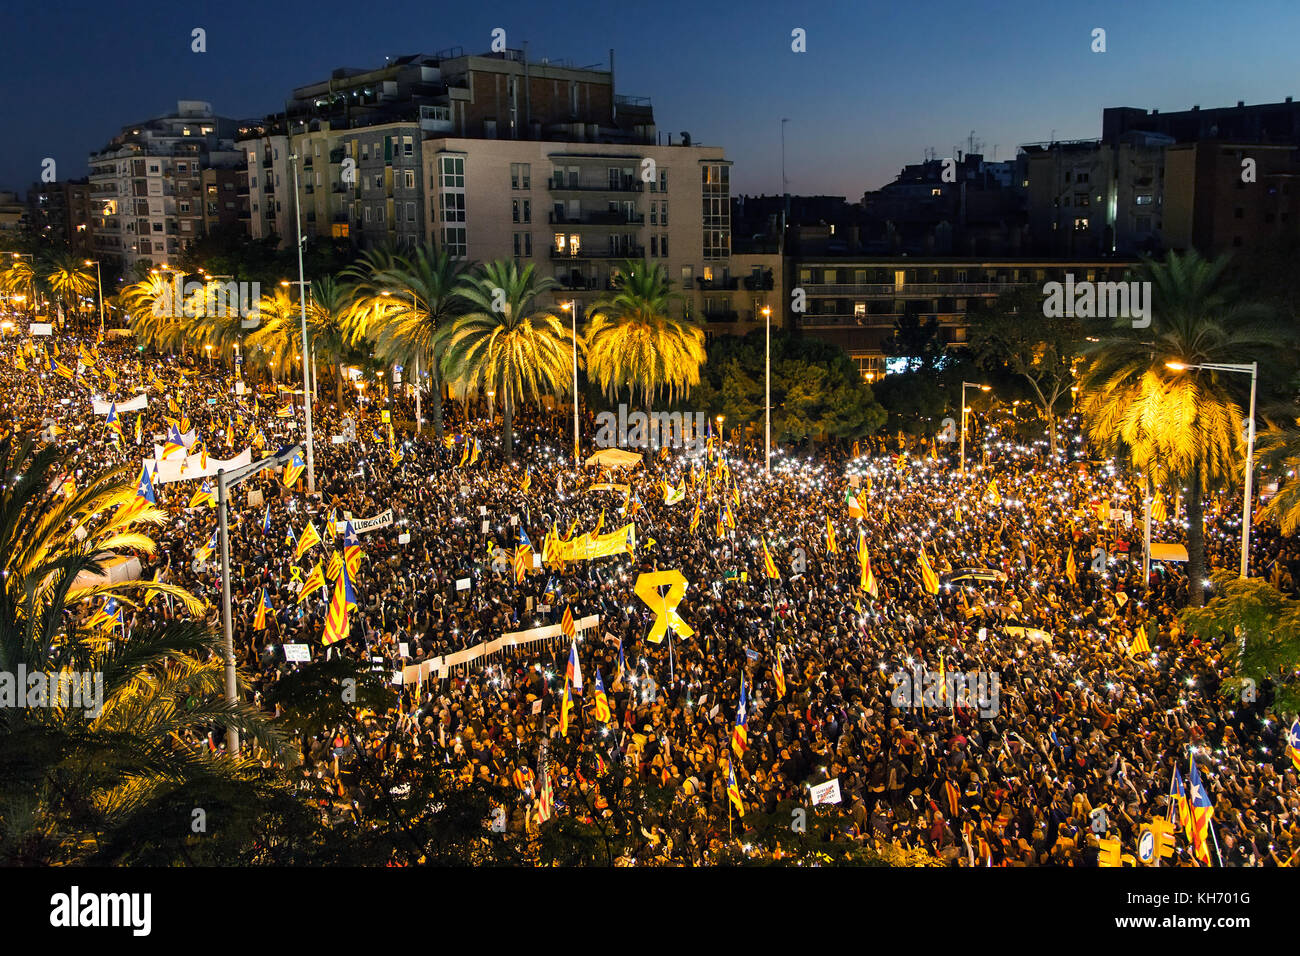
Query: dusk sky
{"x": 878, "y": 84}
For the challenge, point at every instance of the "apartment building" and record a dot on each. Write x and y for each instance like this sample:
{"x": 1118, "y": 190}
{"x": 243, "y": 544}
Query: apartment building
{"x": 1093, "y": 198}
{"x": 60, "y": 212}
{"x": 147, "y": 187}
{"x": 497, "y": 156}
{"x": 1212, "y": 205}
{"x": 855, "y": 302}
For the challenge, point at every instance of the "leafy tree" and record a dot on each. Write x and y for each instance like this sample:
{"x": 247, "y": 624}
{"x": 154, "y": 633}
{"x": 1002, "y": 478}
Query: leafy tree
{"x": 1184, "y": 424}
{"x": 504, "y": 343}
{"x": 634, "y": 343}
{"x": 816, "y": 389}
{"x": 1014, "y": 333}
{"x": 1264, "y": 623}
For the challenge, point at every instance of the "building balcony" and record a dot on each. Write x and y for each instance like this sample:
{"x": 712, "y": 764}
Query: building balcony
{"x": 885, "y": 321}
{"x": 597, "y": 219}
{"x": 565, "y": 186}
{"x": 336, "y": 155}
{"x": 892, "y": 290}
{"x": 633, "y": 252}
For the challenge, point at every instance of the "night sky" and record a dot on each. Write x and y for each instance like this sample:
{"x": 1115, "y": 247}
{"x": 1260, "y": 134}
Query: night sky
{"x": 879, "y": 83}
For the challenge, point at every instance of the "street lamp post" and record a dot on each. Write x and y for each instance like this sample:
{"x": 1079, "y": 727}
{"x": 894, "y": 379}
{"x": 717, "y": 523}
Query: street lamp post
{"x": 225, "y": 481}
{"x": 572, "y": 308}
{"x": 302, "y": 300}
{"x": 767, "y": 400}
{"x": 1251, "y": 369}
{"x": 99, "y": 279}
{"x": 302, "y": 303}
{"x": 964, "y": 386}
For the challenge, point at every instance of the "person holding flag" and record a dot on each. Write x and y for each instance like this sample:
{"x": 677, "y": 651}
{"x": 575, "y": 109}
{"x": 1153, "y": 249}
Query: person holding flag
{"x": 778, "y": 674}
{"x": 523, "y": 555}
{"x": 203, "y": 496}
{"x": 263, "y": 605}
{"x": 343, "y": 600}
{"x": 144, "y": 498}
{"x": 293, "y": 471}
{"x": 1200, "y": 816}
{"x": 114, "y": 423}
{"x": 740, "y": 734}
{"x": 601, "y": 701}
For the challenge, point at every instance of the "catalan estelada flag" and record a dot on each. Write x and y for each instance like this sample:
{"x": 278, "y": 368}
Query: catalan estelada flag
{"x": 1201, "y": 812}
{"x": 315, "y": 580}
{"x": 310, "y": 536}
{"x": 285, "y": 410}
{"x": 266, "y": 521}
{"x": 778, "y": 674}
{"x": 1071, "y": 568}
{"x": 832, "y": 546}
{"x": 174, "y": 443}
{"x": 991, "y": 493}
{"x": 473, "y": 458}
{"x": 335, "y": 567}
{"x": 601, "y": 701}
{"x": 695, "y": 518}
{"x": 523, "y": 554}
{"x": 341, "y": 602}
{"x": 144, "y": 498}
{"x": 203, "y": 496}
{"x": 929, "y": 580}
{"x": 104, "y": 615}
{"x": 733, "y": 790}
{"x": 1178, "y": 814}
{"x": 293, "y": 471}
{"x": 351, "y": 550}
{"x": 527, "y": 482}
{"x": 113, "y": 422}
{"x": 263, "y": 605}
{"x": 740, "y": 735}
{"x": 1293, "y": 741}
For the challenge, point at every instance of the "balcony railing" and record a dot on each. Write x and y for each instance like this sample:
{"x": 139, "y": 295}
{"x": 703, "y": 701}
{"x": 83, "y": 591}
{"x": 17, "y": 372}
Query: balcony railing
{"x": 566, "y": 186}
{"x": 810, "y": 321}
{"x": 632, "y": 252}
{"x": 597, "y": 219}
{"x": 922, "y": 289}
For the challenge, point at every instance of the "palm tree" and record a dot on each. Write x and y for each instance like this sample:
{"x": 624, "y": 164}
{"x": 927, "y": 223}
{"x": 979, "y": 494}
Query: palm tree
{"x": 68, "y": 279}
{"x": 1184, "y": 424}
{"x": 633, "y": 342}
{"x": 70, "y": 776}
{"x": 153, "y": 318}
{"x": 503, "y": 343}
{"x": 275, "y": 344}
{"x": 1279, "y": 450}
{"x": 415, "y": 295}
{"x": 20, "y": 279}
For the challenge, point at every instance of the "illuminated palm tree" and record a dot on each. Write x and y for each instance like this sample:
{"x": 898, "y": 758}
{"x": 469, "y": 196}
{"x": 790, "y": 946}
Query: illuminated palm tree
{"x": 504, "y": 344}
{"x": 69, "y": 775}
{"x": 1279, "y": 450}
{"x": 152, "y": 315}
{"x": 276, "y": 343}
{"x": 414, "y": 295}
{"x": 68, "y": 280}
{"x": 1184, "y": 424}
{"x": 19, "y": 279}
{"x": 633, "y": 342}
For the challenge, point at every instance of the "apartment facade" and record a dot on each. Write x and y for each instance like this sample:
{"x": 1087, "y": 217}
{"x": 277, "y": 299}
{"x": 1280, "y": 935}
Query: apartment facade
{"x": 61, "y": 212}
{"x": 1214, "y": 206}
{"x": 855, "y": 302}
{"x": 147, "y": 188}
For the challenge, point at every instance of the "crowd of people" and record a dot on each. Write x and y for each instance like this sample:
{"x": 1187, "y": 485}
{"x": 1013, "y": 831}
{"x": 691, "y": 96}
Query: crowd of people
{"x": 1101, "y": 695}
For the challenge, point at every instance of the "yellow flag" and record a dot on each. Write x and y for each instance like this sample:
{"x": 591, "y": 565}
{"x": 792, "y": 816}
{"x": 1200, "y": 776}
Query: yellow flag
{"x": 315, "y": 580}
{"x": 769, "y": 566}
{"x": 831, "y": 545}
{"x": 1071, "y": 569}
{"x": 929, "y": 580}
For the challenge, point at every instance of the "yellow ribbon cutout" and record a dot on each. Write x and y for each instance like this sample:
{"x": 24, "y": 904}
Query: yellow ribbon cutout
{"x": 664, "y": 605}
{"x": 295, "y": 575}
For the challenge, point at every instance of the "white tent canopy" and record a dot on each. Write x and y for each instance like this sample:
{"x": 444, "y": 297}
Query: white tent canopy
{"x": 615, "y": 458}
